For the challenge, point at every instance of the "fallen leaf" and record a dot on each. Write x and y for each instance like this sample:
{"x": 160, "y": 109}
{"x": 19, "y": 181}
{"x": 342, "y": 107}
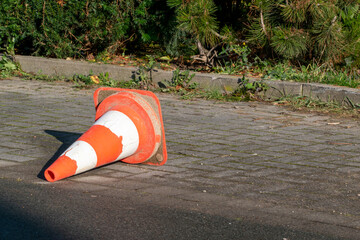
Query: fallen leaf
{"x": 333, "y": 123}
{"x": 339, "y": 143}
{"x": 95, "y": 79}
{"x": 165, "y": 58}
{"x": 280, "y": 103}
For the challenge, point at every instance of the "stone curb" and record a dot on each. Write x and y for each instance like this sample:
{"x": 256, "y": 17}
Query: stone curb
{"x": 277, "y": 89}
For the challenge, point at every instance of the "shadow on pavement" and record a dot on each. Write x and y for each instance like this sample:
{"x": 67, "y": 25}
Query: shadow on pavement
{"x": 18, "y": 219}
{"x": 67, "y": 138}
{"x": 30, "y": 211}
{"x": 17, "y": 225}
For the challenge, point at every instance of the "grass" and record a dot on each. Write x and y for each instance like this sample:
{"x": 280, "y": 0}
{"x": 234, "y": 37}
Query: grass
{"x": 307, "y": 104}
{"x": 7, "y": 67}
{"x": 241, "y": 65}
{"x": 285, "y": 71}
{"x": 182, "y": 84}
{"x": 312, "y": 74}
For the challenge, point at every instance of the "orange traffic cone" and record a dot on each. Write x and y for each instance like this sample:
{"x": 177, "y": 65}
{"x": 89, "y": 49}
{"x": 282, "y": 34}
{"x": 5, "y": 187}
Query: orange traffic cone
{"x": 128, "y": 127}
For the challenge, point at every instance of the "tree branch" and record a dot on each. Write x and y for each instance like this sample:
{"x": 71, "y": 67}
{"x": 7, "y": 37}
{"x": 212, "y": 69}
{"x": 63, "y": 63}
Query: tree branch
{"x": 263, "y": 24}
{"x": 218, "y": 35}
{"x": 202, "y": 50}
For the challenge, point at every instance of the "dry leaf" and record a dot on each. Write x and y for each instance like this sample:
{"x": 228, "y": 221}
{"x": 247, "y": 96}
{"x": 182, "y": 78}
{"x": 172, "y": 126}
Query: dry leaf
{"x": 339, "y": 143}
{"x": 95, "y": 79}
{"x": 334, "y": 123}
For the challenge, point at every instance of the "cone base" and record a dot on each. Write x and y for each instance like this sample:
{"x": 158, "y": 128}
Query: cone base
{"x": 160, "y": 156}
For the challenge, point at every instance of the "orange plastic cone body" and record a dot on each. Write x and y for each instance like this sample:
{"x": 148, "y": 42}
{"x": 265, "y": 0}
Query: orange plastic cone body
{"x": 128, "y": 127}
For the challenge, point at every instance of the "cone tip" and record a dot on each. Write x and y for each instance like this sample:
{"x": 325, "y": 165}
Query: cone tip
{"x": 49, "y": 175}
{"x": 63, "y": 167}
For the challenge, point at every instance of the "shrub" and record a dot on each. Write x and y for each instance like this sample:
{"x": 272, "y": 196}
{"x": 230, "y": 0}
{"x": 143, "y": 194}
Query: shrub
{"x": 73, "y": 28}
{"x": 305, "y": 30}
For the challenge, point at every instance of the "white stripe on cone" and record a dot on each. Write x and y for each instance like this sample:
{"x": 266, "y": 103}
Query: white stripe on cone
{"x": 119, "y": 124}
{"x": 76, "y": 152}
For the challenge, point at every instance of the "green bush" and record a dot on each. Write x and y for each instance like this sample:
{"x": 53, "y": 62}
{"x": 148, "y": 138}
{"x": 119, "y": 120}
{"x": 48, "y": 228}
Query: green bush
{"x": 302, "y": 31}
{"x": 73, "y": 28}
{"x": 305, "y": 31}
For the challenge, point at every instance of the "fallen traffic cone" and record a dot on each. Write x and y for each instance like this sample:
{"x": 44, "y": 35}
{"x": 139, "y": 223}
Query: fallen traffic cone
{"x": 128, "y": 127}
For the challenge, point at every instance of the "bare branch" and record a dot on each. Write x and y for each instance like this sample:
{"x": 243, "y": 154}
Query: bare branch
{"x": 263, "y": 25}
{"x": 202, "y": 50}
{"x": 218, "y": 35}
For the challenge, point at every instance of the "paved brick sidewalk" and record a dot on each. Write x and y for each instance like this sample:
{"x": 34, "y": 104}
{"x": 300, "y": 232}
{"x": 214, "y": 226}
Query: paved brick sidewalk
{"x": 242, "y": 160}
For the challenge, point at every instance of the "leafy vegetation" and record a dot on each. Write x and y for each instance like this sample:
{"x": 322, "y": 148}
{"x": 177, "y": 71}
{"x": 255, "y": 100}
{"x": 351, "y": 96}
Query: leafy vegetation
{"x": 304, "y": 30}
{"x": 298, "y": 30}
{"x": 295, "y": 40}
{"x": 144, "y": 79}
{"x": 181, "y": 81}
{"x": 74, "y": 28}
{"x": 182, "y": 84}
{"x": 312, "y": 74}
{"x": 302, "y": 103}
{"x": 246, "y": 91}
{"x": 7, "y": 67}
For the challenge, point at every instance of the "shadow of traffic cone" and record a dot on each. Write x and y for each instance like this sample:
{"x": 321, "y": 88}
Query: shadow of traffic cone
{"x": 128, "y": 127}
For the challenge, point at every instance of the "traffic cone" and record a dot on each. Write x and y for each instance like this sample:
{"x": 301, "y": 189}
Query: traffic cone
{"x": 128, "y": 127}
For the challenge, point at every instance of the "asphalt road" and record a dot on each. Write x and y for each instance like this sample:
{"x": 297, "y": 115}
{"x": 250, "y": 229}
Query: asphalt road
{"x": 31, "y": 212}
{"x": 235, "y": 171}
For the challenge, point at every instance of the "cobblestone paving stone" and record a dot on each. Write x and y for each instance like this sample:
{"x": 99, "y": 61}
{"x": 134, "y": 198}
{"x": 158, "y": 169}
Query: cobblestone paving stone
{"x": 241, "y": 155}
